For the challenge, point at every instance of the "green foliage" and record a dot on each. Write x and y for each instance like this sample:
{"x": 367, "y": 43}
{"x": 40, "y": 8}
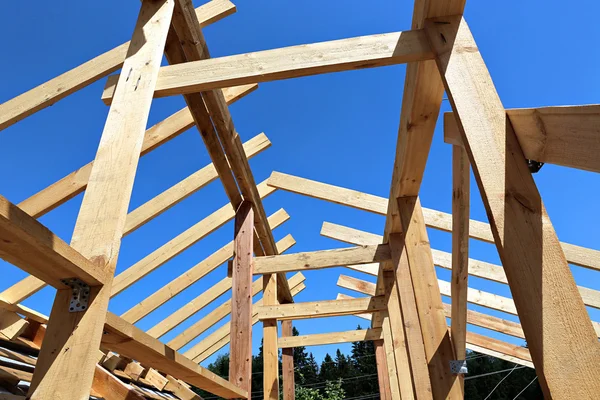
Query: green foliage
{"x": 332, "y": 391}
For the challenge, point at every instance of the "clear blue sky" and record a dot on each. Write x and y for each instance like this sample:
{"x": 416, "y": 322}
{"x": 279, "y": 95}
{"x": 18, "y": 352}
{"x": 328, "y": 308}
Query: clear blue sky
{"x": 336, "y": 128}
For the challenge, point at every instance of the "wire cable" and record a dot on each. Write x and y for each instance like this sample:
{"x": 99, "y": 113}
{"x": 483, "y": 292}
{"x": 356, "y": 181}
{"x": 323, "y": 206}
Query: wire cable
{"x": 499, "y": 383}
{"x": 525, "y": 388}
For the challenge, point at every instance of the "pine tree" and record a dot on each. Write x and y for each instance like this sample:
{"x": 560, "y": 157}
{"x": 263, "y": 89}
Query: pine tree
{"x": 329, "y": 371}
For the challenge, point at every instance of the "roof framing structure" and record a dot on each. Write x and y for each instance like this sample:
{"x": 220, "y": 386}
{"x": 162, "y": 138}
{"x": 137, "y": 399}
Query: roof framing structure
{"x": 414, "y": 345}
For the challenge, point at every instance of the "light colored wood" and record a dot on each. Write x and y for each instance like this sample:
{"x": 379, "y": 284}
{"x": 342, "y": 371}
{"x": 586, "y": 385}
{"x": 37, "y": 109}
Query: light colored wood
{"x": 31, "y": 246}
{"x": 404, "y": 295}
{"x": 129, "y": 341}
{"x": 156, "y": 379}
{"x": 180, "y": 390}
{"x": 503, "y": 347}
{"x": 359, "y": 335}
{"x": 178, "y": 244}
{"x": 382, "y": 373}
{"x": 441, "y": 259}
{"x": 287, "y": 362}
{"x": 270, "y": 350}
{"x": 461, "y": 175}
{"x": 60, "y": 87}
{"x": 134, "y": 370}
{"x": 220, "y": 337}
{"x": 489, "y": 322}
{"x": 196, "y": 273}
{"x": 499, "y": 355}
{"x": 72, "y": 339}
{"x": 320, "y": 259}
{"x": 240, "y": 354}
{"x": 223, "y": 311}
{"x": 392, "y": 371}
{"x": 566, "y": 135}
{"x": 11, "y": 325}
{"x": 535, "y": 265}
{"x": 318, "y": 309}
{"x": 292, "y": 62}
{"x": 577, "y": 255}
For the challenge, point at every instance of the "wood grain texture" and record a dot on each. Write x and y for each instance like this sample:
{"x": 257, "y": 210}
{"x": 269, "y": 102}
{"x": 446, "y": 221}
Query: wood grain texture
{"x": 60, "y": 87}
{"x": 270, "y": 349}
{"x": 293, "y": 62}
{"x": 287, "y": 363}
{"x": 11, "y": 325}
{"x": 359, "y": 335}
{"x": 321, "y": 259}
{"x": 382, "y": 373}
{"x": 565, "y": 135}
{"x": 318, "y": 309}
{"x": 73, "y": 339}
{"x": 540, "y": 278}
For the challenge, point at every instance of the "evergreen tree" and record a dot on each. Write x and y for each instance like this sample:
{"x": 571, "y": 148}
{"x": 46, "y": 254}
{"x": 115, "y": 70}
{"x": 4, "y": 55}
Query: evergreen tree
{"x": 329, "y": 371}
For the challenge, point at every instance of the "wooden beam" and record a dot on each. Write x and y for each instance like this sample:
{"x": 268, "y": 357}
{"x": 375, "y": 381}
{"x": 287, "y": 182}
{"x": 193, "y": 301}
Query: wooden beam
{"x": 180, "y": 390}
{"x": 441, "y": 259}
{"x": 567, "y": 135}
{"x": 11, "y": 325}
{"x": 73, "y": 339}
{"x": 270, "y": 350}
{"x": 240, "y": 354}
{"x": 293, "y": 62}
{"x": 577, "y": 255}
{"x": 318, "y": 309}
{"x": 287, "y": 362}
{"x": 60, "y": 87}
{"x": 534, "y": 262}
{"x": 196, "y": 273}
{"x": 127, "y": 340}
{"x": 220, "y": 337}
{"x": 321, "y": 259}
{"x": 461, "y": 175}
{"x": 382, "y": 373}
{"x": 31, "y": 246}
{"x": 112, "y": 388}
{"x": 397, "y": 391}
{"x": 359, "y": 335}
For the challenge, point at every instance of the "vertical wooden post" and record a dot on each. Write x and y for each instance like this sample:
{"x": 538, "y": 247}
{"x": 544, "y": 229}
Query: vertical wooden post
{"x": 287, "y": 360}
{"x": 388, "y": 345}
{"x": 460, "y": 252}
{"x": 240, "y": 355}
{"x": 561, "y": 339}
{"x": 382, "y": 371}
{"x": 270, "y": 349}
{"x": 65, "y": 367}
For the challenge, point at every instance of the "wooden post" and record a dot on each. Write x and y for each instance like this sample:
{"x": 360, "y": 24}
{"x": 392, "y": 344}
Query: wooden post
{"x": 460, "y": 251}
{"x": 382, "y": 373}
{"x": 270, "y": 348}
{"x": 65, "y": 368}
{"x": 563, "y": 345}
{"x": 287, "y": 358}
{"x": 240, "y": 355}
{"x": 388, "y": 346}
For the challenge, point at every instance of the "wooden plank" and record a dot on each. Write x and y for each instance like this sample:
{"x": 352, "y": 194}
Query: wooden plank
{"x": 382, "y": 373}
{"x": 293, "y": 62}
{"x": 60, "y": 87}
{"x": 73, "y": 339}
{"x": 196, "y": 273}
{"x": 220, "y": 337}
{"x": 240, "y": 354}
{"x": 180, "y": 390}
{"x": 156, "y": 379}
{"x": 31, "y": 246}
{"x": 287, "y": 363}
{"x": 112, "y": 388}
{"x": 178, "y": 244}
{"x": 223, "y": 311}
{"x": 134, "y": 370}
{"x": 565, "y": 135}
{"x": 321, "y": 259}
{"x": 533, "y": 260}
{"x": 500, "y": 346}
{"x": 11, "y": 324}
{"x": 359, "y": 335}
{"x": 496, "y": 354}
{"x": 127, "y": 340}
{"x": 577, "y": 255}
{"x": 318, "y": 309}
{"x": 393, "y": 372}
{"x": 461, "y": 175}
{"x": 270, "y": 350}
{"x": 489, "y": 322}
{"x": 441, "y": 259}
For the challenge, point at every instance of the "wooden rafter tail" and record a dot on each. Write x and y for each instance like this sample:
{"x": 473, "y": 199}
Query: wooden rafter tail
{"x": 534, "y": 262}
{"x": 99, "y": 227}
{"x": 566, "y": 136}
{"x": 60, "y": 87}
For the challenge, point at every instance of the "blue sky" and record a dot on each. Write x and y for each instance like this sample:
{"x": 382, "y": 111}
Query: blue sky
{"x": 336, "y": 128}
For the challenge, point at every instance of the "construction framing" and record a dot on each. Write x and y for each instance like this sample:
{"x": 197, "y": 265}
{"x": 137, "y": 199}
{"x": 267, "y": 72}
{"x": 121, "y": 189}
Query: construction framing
{"x": 90, "y": 351}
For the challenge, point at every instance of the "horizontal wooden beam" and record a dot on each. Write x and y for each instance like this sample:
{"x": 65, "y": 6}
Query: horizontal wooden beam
{"x": 31, "y": 246}
{"x": 576, "y": 255}
{"x": 293, "y": 62}
{"x": 567, "y": 136}
{"x": 321, "y": 259}
{"x": 318, "y": 309}
{"x": 126, "y": 339}
{"x": 358, "y": 335}
{"x": 60, "y": 87}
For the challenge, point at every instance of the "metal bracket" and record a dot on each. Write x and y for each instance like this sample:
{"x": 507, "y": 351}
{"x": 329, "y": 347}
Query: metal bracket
{"x": 534, "y": 166}
{"x": 80, "y": 294}
{"x": 459, "y": 367}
